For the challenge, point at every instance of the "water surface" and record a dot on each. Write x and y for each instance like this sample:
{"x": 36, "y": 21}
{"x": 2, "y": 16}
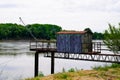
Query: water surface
{"x": 17, "y": 62}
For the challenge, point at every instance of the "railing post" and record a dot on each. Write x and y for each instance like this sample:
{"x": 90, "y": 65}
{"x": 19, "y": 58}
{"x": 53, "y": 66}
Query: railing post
{"x": 42, "y": 44}
{"x": 36, "y": 44}
{"x": 30, "y": 45}
{"x": 100, "y": 47}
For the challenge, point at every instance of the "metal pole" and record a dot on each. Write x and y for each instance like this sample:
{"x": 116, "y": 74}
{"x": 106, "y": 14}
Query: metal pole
{"x": 52, "y": 62}
{"x": 36, "y": 64}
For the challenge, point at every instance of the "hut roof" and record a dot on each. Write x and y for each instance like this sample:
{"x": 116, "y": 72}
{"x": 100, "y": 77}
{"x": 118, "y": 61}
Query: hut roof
{"x": 71, "y": 32}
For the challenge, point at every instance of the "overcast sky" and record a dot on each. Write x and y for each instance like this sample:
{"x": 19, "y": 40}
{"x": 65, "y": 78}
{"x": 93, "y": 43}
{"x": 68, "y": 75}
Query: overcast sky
{"x": 69, "y": 14}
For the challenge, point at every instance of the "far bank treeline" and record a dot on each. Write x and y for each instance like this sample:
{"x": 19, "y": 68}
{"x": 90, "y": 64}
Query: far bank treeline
{"x": 9, "y": 31}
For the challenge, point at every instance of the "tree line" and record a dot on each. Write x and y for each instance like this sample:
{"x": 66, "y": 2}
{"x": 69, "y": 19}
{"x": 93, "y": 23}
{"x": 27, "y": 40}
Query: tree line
{"x": 10, "y": 31}
{"x": 95, "y": 35}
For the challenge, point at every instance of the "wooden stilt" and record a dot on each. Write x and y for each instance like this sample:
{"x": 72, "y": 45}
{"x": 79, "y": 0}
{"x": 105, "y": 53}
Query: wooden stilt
{"x": 52, "y": 62}
{"x": 36, "y": 64}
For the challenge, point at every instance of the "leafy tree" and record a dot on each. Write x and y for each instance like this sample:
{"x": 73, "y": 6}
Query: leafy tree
{"x": 95, "y": 35}
{"x": 112, "y": 38}
{"x": 44, "y": 31}
{"x": 88, "y": 30}
{"x": 16, "y": 31}
{"x": 98, "y": 36}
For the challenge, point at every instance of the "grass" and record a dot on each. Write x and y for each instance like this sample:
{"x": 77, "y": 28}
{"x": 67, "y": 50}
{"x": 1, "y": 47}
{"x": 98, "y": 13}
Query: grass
{"x": 107, "y": 72}
{"x": 106, "y": 67}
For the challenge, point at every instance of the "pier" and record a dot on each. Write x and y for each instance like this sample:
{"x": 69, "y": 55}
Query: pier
{"x": 50, "y": 50}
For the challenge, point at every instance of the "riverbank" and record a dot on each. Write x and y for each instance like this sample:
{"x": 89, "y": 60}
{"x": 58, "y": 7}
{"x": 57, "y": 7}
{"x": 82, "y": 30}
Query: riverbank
{"x": 15, "y": 40}
{"x": 98, "y": 73}
{"x": 27, "y": 40}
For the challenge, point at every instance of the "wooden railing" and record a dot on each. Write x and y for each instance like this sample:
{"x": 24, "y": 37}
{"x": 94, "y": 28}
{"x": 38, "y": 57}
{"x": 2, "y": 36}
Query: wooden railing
{"x": 45, "y": 44}
{"x": 42, "y": 44}
{"x": 96, "y": 46}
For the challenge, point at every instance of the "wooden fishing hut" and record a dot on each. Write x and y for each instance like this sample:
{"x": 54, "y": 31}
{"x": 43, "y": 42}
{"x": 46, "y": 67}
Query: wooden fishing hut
{"x": 78, "y": 45}
{"x": 74, "y": 42}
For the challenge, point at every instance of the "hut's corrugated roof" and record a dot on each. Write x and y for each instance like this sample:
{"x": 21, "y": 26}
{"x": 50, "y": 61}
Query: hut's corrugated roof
{"x": 71, "y": 32}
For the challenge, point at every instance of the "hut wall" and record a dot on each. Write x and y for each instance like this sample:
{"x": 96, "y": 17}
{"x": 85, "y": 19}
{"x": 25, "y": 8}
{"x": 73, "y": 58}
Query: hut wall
{"x": 74, "y": 43}
{"x": 69, "y": 43}
{"x": 86, "y": 43}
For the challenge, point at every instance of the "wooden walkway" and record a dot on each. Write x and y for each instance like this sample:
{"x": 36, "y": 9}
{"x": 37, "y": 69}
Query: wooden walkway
{"x": 110, "y": 58}
{"x": 49, "y": 49}
{"x": 96, "y": 55}
{"x": 48, "y": 46}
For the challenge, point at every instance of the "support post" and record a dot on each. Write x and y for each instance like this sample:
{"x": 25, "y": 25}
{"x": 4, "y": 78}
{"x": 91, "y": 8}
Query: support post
{"x": 36, "y": 64}
{"x": 52, "y": 62}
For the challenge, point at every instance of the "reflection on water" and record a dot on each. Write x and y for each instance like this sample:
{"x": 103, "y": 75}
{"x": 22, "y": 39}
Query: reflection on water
{"x": 17, "y": 62}
{"x": 14, "y": 47}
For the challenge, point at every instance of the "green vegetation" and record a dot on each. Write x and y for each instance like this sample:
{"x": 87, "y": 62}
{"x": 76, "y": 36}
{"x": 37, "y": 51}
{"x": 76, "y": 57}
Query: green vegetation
{"x": 106, "y": 67}
{"x": 112, "y": 38}
{"x": 107, "y": 72}
{"x": 41, "y": 74}
{"x": 71, "y": 70}
{"x": 88, "y": 30}
{"x": 96, "y": 35}
{"x": 11, "y": 31}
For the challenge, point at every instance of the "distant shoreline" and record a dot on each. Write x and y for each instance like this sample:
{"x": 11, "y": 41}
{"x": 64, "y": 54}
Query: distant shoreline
{"x": 14, "y": 40}
{"x": 24, "y": 40}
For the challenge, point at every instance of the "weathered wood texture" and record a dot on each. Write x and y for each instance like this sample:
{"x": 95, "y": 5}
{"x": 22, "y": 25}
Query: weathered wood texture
{"x": 74, "y": 42}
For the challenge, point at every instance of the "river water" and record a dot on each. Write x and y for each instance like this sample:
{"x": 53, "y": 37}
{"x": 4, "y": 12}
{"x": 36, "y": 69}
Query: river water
{"x": 17, "y": 62}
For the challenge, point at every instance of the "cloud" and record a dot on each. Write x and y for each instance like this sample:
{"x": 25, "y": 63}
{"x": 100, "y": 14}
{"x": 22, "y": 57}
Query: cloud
{"x": 8, "y": 6}
{"x": 11, "y": 4}
{"x": 71, "y": 14}
{"x": 91, "y": 5}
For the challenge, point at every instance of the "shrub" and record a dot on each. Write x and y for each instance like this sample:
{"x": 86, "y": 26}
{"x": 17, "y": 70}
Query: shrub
{"x": 71, "y": 70}
{"x": 112, "y": 38}
{"x": 41, "y": 74}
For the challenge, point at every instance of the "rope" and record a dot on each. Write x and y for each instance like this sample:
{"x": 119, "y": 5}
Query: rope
{"x": 27, "y": 28}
